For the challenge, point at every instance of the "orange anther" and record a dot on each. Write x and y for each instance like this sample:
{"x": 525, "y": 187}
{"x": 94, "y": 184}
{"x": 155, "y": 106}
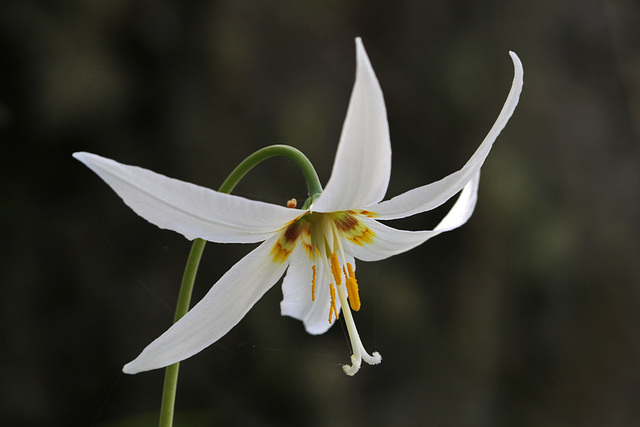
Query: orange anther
{"x": 354, "y": 296}
{"x": 332, "y": 309}
{"x": 335, "y": 269}
{"x": 313, "y": 284}
{"x": 350, "y": 270}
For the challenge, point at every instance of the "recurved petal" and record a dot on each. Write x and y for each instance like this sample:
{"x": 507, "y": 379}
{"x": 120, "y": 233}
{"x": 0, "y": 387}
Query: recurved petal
{"x": 297, "y": 299}
{"x": 431, "y": 196}
{"x": 220, "y": 310}
{"x": 362, "y": 166}
{"x": 389, "y": 241}
{"x": 189, "y": 209}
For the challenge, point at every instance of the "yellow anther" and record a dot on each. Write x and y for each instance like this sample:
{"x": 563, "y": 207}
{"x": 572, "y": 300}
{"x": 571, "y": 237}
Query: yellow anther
{"x": 332, "y": 309}
{"x": 354, "y": 296}
{"x": 292, "y": 203}
{"x": 335, "y": 269}
{"x": 352, "y": 288}
{"x": 350, "y": 269}
{"x": 313, "y": 284}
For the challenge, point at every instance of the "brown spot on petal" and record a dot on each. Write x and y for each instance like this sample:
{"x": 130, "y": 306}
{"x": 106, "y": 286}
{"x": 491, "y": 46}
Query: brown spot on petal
{"x": 299, "y": 229}
{"x": 354, "y": 229}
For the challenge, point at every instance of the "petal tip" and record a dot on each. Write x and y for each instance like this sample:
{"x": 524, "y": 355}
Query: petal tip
{"x": 361, "y": 53}
{"x": 86, "y": 158}
{"x": 79, "y": 155}
{"x": 517, "y": 64}
{"x": 129, "y": 369}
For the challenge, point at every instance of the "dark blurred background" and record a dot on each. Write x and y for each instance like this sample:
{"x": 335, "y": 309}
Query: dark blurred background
{"x": 528, "y": 315}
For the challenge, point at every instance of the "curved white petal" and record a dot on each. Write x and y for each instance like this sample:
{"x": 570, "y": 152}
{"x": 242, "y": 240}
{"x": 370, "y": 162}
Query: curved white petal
{"x": 189, "y": 209}
{"x": 220, "y": 310}
{"x": 431, "y": 196}
{"x": 362, "y": 166}
{"x": 389, "y": 241}
{"x": 297, "y": 299}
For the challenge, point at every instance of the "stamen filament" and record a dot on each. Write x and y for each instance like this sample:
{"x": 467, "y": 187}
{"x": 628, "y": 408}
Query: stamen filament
{"x": 338, "y": 238}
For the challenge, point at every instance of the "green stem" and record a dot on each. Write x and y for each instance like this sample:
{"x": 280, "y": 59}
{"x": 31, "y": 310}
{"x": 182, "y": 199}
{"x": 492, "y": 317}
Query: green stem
{"x": 189, "y": 277}
{"x": 184, "y": 298}
{"x": 313, "y": 183}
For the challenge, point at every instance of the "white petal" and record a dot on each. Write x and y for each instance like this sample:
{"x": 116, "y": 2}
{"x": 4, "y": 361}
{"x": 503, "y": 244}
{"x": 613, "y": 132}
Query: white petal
{"x": 430, "y": 196}
{"x": 220, "y": 310}
{"x": 390, "y": 241}
{"x": 296, "y": 289}
{"x": 189, "y": 209}
{"x": 362, "y": 166}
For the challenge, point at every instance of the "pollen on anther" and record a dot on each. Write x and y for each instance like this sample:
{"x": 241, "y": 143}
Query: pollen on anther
{"x": 292, "y": 203}
{"x": 354, "y": 296}
{"x": 350, "y": 271}
{"x": 335, "y": 269}
{"x": 352, "y": 288}
{"x": 313, "y": 284}
{"x": 332, "y": 308}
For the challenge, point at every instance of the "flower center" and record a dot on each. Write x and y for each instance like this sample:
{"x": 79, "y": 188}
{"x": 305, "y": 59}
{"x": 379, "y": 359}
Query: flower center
{"x": 323, "y": 236}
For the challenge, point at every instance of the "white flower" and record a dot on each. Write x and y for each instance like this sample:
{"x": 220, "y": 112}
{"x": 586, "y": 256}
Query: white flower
{"x": 317, "y": 247}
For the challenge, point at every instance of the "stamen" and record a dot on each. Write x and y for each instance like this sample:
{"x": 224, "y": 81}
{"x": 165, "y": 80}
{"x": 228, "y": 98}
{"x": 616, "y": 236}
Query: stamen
{"x": 352, "y": 287}
{"x": 332, "y": 308}
{"x": 335, "y": 269}
{"x": 292, "y": 203}
{"x": 351, "y": 273}
{"x": 313, "y": 284}
{"x": 354, "y": 297}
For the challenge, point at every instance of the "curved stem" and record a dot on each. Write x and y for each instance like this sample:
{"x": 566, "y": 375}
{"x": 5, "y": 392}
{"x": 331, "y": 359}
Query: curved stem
{"x": 197, "y": 248}
{"x": 313, "y": 183}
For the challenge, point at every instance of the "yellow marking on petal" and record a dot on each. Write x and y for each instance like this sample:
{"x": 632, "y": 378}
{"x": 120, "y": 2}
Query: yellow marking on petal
{"x": 363, "y": 212}
{"x": 335, "y": 269}
{"x": 308, "y": 249}
{"x": 352, "y": 228}
{"x": 280, "y": 253}
{"x": 313, "y": 284}
{"x": 298, "y": 229}
{"x": 332, "y": 309}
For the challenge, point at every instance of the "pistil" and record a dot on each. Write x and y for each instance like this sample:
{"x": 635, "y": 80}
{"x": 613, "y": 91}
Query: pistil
{"x": 359, "y": 352}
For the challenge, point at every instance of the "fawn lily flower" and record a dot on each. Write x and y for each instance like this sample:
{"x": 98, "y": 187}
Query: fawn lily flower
{"x": 316, "y": 246}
